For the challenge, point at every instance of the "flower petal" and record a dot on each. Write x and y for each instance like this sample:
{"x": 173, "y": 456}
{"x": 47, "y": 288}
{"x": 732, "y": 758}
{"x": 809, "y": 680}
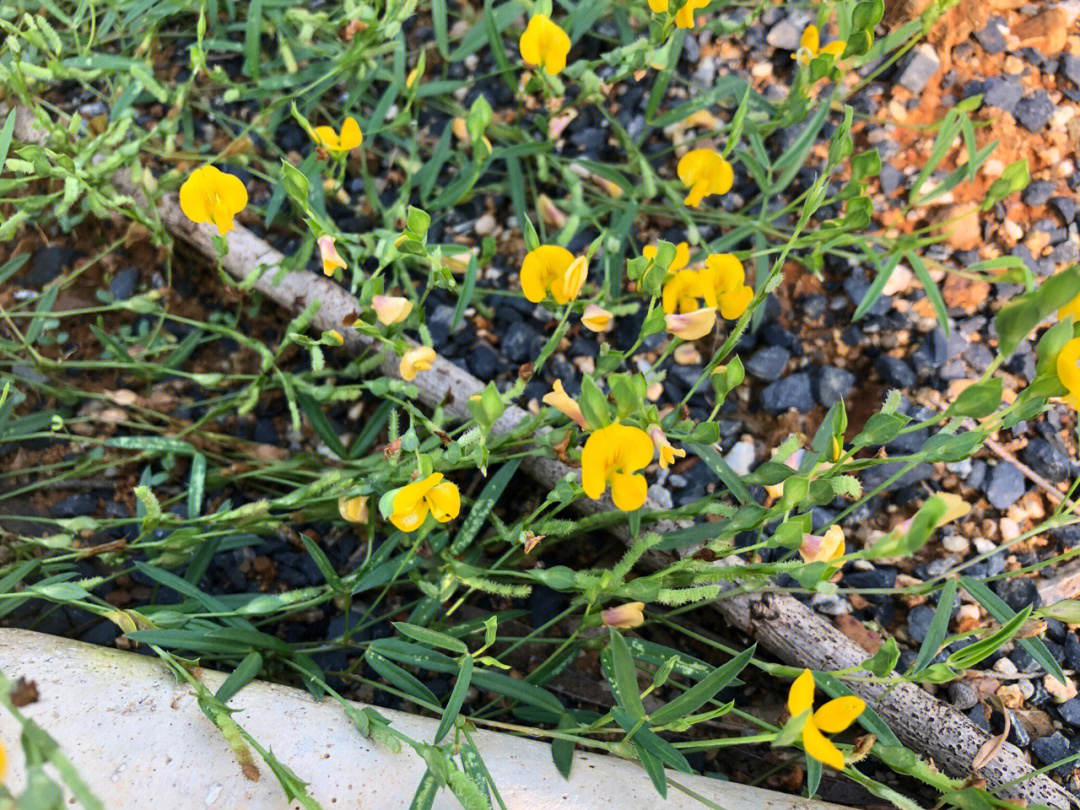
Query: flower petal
{"x": 1067, "y": 370}
{"x": 818, "y": 747}
{"x": 351, "y": 136}
{"x": 810, "y": 39}
{"x": 194, "y": 196}
{"x": 541, "y": 267}
{"x": 596, "y": 459}
{"x": 629, "y": 491}
{"x": 835, "y": 48}
{"x": 801, "y": 695}
{"x": 444, "y": 501}
{"x": 733, "y": 304}
{"x": 692, "y": 325}
{"x": 1071, "y": 308}
{"x": 838, "y": 714}
{"x": 658, "y": 6}
{"x": 327, "y": 138}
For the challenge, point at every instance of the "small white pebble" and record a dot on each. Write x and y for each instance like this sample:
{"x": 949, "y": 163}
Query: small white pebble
{"x": 984, "y": 546}
{"x": 1005, "y": 666}
{"x": 1058, "y": 691}
{"x": 955, "y": 544}
{"x": 485, "y": 225}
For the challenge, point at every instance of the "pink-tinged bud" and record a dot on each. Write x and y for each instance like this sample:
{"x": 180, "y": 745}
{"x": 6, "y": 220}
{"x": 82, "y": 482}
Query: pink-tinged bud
{"x": 625, "y": 617}
{"x": 414, "y": 361}
{"x": 331, "y": 259}
{"x": 597, "y": 319}
{"x": 823, "y": 548}
{"x": 691, "y": 325}
{"x": 391, "y": 308}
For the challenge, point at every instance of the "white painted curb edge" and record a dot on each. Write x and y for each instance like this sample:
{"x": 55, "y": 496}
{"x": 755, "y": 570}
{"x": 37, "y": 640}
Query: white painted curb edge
{"x": 139, "y": 740}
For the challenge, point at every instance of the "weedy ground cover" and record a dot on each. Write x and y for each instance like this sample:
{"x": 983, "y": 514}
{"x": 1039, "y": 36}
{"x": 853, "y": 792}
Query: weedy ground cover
{"x": 557, "y": 199}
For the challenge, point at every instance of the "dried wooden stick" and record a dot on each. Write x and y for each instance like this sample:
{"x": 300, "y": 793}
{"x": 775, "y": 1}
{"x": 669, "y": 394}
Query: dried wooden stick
{"x": 785, "y": 626}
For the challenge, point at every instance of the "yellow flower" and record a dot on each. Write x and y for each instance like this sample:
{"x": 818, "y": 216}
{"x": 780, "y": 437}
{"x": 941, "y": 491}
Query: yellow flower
{"x": 414, "y": 361}
{"x": 1071, "y": 308}
{"x": 615, "y": 454}
{"x": 331, "y": 259}
{"x": 809, "y": 46}
{"x": 354, "y": 510}
{"x": 1068, "y": 371}
{"x": 336, "y": 336}
{"x": 705, "y": 172}
{"x": 832, "y": 718}
{"x": 824, "y": 548}
{"x": 624, "y": 617}
{"x": 682, "y": 255}
{"x": 664, "y": 448}
{"x": 597, "y": 319}
{"x": 544, "y": 43}
{"x": 350, "y": 137}
{"x": 682, "y": 291}
{"x": 684, "y": 17}
{"x": 413, "y": 502}
{"x": 692, "y": 325}
{"x": 211, "y": 195}
{"x": 723, "y": 284}
{"x": 553, "y": 269}
{"x": 412, "y": 78}
{"x": 391, "y": 308}
{"x": 558, "y": 399}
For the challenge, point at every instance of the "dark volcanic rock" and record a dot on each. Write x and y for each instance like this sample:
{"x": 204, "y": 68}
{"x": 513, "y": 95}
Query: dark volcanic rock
{"x": 791, "y": 392}
{"x": 831, "y": 384}
{"x": 768, "y": 363}
{"x": 1004, "y": 486}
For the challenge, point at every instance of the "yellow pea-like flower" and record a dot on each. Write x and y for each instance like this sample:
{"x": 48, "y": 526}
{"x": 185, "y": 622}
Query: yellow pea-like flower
{"x": 823, "y": 548}
{"x": 691, "y": 325}
{"x": 682, "y": 291}
{"x": 544, "y": 43}
{"x": 331, "y": 259}
{"x": 682, "y": 256}
{"x": 561, "y": 401}
{"x": 706, "y": 172}
{"x": 337, "y": 337}
{"x": 624, "y": 617}
{"x": 664, "y": 448}
{"x": 553, "y": 269}
{"x": 211, "y": 195}
{"x": 391, "y": 308}
{"x": 597, "y": 319}
{"x": 832, "y": 718}
{"x": 1069, "y": 372}
{"x": 614, "y": 455}
{"x": 684, "y": 17}
{"x": 414, "y": 361}
{"x": 810, "y": 46}
{"x": 413, "y": 502}
{"x": 354, "y": 510}
{"x": 724, "y": 285}
{"x": 349, "y": 138}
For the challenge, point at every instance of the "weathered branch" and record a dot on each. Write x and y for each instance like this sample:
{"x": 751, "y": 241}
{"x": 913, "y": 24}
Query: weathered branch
{"x": 787, "y": 627}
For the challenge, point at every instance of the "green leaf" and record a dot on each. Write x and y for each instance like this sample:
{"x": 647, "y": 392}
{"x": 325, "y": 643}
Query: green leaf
{"x": 651, "y": 741}
{"x": 703, "y": 691}
{"x": 424, "y": 797}
{"x": 457, "y": 697}
{"x": 978, "y": 400}
{"x": 813, "y": 776}
{"x": 931, "y": 287}
{"x": 972, "y": 654}
{"x": 715, "y": 462}
{"x": 396, "y": 676}
{"x": 594, "y": 405}
{"x": 884, "y": 660}
{"x": 483, "y": 505}
{"x": 881, "y": 428}
{"x": 624, "y": 683}
{"x": 939, "y": 626}
{"x": 322, "y": 562}
{"x": 1002, "y": 613}
{"x": 431, "y": 637}
{"x": 246, "y": 671}
{"x": 562, "y": 751}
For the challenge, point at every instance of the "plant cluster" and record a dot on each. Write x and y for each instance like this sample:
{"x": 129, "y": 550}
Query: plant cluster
{"x": 352, "y": 79}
